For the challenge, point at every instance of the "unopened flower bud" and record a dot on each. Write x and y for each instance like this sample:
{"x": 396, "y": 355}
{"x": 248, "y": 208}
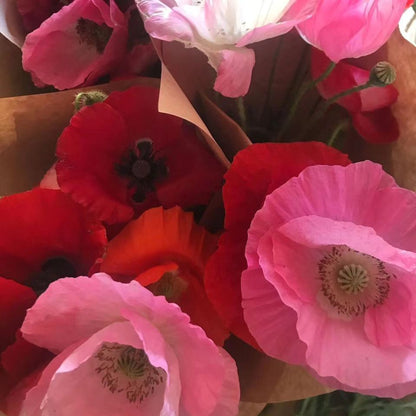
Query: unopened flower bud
{"x": 88, "y": 98}
{"x": 382, "y": 74}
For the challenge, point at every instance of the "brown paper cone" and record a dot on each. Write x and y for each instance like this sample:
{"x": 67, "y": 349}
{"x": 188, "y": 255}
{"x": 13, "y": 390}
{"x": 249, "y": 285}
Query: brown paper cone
{"x": 402, "y": 161}
{"x": 13, "y": 80}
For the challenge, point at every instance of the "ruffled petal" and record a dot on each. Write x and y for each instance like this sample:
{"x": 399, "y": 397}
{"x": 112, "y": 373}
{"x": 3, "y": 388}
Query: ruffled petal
{"x": 58, "y": 52}
{"x": 377, "y": 126}
{"x": 14, "y": 300}
{"x": 57, "y": 227}
{"x": 161, "y": 238}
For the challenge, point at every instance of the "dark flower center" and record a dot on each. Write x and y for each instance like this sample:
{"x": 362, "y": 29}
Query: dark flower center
{"x": 353, "y": 281}
{"x": 127, "y": 371}
{"x": 93, "y": 34}
{"x": 53, "y": 269}
{"x": 142, "y": 168}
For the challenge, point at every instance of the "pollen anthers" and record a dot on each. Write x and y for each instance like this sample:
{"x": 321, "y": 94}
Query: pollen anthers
{"x": 128, "y": 371}
{"x": 353, "y": 281}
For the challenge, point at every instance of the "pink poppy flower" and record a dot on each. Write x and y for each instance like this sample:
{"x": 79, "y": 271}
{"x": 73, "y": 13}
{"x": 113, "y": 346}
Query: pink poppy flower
{"x": 330, "y": 279}
{"x": 352, "y": 28}
{"x": 77, "y": 45}
{"x": 370, "y": 109}
{"x": 222, "y": 28}
{"x": 255, "y": 172}
{"x": 121, "y": 350}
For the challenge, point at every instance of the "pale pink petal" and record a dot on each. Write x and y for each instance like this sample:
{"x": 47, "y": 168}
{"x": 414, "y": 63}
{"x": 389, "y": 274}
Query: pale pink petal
{"x": 339, "y": 190}
{"x": 299, "y": 11}
{"x": 97, "y": 297}
{"x": 230, "y": 392}
{"x": 220, "y": 29}
{"x": 313, "y": 231}
{"x": 232, "y": 62}
{"x": 398, "y": 206}
{"x": 163, "y": 21}
{"x": 271, "y": 322}
{"x": 34, "y": 397}
{"x": 358, "y": 364}
{"x": 93, "y": 303}
{"x": 393, "y": 323}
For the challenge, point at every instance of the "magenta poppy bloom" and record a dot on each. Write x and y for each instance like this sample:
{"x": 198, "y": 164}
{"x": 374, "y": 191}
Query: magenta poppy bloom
{"x": 122, "y": 351}
{"x": 330, "y": 279}
{"x": 77, "y": 45}
{"x": 222, "y": 28}
{"x": 352, "y": 28}
{"x": 370, "y": 109}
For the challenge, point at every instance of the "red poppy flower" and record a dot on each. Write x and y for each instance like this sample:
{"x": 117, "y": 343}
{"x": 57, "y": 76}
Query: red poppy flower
{"x": 45, "y": 236}
{"x": 14, "y": 300}
{"x": 17, "y": 357}
{"x": 255, "y": 172}
{"x": 167, "y": 252}
{"x": 18, "y": 361}
{"x": 121, "y": 157}
{"x": 370, "y": 109}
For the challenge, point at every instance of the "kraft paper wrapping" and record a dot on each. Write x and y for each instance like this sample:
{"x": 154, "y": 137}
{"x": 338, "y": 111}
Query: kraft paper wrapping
{"x": 401, "y": 161}
{"x": 10, "y": 22}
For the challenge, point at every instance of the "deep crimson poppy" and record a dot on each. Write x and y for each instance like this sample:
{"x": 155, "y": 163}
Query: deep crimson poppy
{"x": 14, "y": 300}
{"x": 369, "y": 109}
{"x": 121, "y": 157}
{"x": 255, "y": 172}
{"x": 45, "y": 235}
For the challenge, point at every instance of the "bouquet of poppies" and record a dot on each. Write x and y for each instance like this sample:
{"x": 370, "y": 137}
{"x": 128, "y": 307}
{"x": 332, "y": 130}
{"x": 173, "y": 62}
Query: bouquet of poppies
{"x": 207, "y": 206}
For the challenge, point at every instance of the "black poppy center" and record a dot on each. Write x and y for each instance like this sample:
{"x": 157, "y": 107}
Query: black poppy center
{"x": 142, "y": 168}
{"x": 53, "y": 269}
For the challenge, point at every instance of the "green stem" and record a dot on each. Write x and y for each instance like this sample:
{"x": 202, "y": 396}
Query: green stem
{"x": 335, "y": 134}
{"x": 321, "y": 112}
{"x": 242, "y": 113}
{"x": 305, "y": 404}
{"x": 358, "y": 88}
{"x": 302, "y": 91}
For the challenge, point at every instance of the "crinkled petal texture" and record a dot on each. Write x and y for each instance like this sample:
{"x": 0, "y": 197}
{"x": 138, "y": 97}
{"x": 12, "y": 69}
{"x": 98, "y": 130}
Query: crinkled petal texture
{"x": 222, "y": 28}
{"x": 254, "y": 173}
{"x": 167, "y": 252}
{"x": 329, "y": 283}
{"x": 103, "y": 137}
{"x": 77, "y": 45}
{"x": 369, "y": 108}
{"x": 120, "y": 349}
{"x": 41, "y": 225}
{"x": 352, "y": 28}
